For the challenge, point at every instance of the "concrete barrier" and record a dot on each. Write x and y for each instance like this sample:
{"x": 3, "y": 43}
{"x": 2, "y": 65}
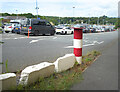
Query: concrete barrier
{"x": 64, "y": 63}
{"x": 32, "y": 73}
{"x": 7, "y": 81}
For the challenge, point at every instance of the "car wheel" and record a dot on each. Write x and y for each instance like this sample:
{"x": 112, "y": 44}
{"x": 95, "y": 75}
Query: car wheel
{"x": 52, "y": 34}
{"x": 7, "y": 31}
{"x": 65, "y": 32}
{"x": 26, "y": 34}
{"x": 36, "y": 32}
{"x": 13, "y": 31}
{"x": 72, "y": 32}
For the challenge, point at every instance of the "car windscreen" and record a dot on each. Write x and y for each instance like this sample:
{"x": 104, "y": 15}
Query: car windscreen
{"x": 25, "y": 23}
{"x": 68, "y": 28}
{"x": 8, "y": 24}
{"x": 17, "y": 25}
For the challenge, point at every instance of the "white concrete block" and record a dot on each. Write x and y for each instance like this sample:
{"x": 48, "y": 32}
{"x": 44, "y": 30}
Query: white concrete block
{"x": 7, "y": 81}
{"x": 65, "y": 62}
{"x": 32, "y": 73}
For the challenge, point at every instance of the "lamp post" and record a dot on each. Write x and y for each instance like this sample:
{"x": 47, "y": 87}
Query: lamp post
{"x": 59, "y": 20}
{"x": 73, "y": 14}
{"x": 103, "y": 21}
{"x": 89, "y": 19}
{"x": 98, "y": 21}
{"x": 37, "y": 8}
{"x": 17, "y": 14}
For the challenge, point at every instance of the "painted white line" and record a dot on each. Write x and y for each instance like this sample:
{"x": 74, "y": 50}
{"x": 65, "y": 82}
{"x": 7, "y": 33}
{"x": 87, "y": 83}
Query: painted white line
{"x": 85, "y": 40}
{"x": 6, "y": 38}
{"x": 97, "y": 42}
{"x": 69, "y": 47}
{"x": 55, "y": 38}
{"x": 86, "y": 44}
{"x": 23, "y": 37}
{"x": 15, "y": 38}
{"x": 101, "y": 42}
{"x": 83, "y": 46}
{"x": 33, "y": 41}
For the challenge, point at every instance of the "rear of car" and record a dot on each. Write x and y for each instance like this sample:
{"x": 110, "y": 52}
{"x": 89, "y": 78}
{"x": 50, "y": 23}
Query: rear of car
{"x": 98, "y": 30}
{"x": 26, "y": 26}
{"x": 58, "y": 30}
{"x": 17, "y": 29}
{"x": 64, "y": 30}
{"x": 8, "y": 28}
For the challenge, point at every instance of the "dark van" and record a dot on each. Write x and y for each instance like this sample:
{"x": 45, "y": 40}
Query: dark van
{"x": 37, "y": 26}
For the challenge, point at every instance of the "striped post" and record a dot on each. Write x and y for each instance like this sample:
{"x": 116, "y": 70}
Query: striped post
{"x": 78, "y": 35}
{"x": 28, "y": 33}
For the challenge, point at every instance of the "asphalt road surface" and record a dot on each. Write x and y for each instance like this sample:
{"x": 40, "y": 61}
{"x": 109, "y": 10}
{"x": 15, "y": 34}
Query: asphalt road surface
{"x": 21, "y": 51}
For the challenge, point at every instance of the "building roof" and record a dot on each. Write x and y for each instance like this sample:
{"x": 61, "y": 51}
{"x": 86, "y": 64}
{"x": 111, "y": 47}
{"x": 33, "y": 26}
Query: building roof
{"x": 14, "y": 17}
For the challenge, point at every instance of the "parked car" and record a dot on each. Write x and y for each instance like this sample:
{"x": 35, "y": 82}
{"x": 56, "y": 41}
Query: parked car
{"x": 103, "y": 29}
{"x": 113, "y": 30}
{"x": 98, "y": 30}
{"x": 8, "y": 28}
{"x": 37, "y": 26}
{"x": 17, "y": 29}
{"x": 58, "y": 30}
{"x": 64, "y": 30}
{"x": 89, "y": 30}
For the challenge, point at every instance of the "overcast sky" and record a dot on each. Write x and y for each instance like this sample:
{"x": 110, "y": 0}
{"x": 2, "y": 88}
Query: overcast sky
{"x": 62, "y": 8}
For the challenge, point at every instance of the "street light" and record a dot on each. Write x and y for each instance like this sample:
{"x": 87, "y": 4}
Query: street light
{"x": 37, "y": 8}
{"x": 103, "y": 21}
{"x": 98, "y": 21}
{"x": 106, "y": 22}
{"x": 59, "y": 20}
{"x": 73, "y": 14}
{"x": 89, "y": 19}
{"x": 17, "y": 14}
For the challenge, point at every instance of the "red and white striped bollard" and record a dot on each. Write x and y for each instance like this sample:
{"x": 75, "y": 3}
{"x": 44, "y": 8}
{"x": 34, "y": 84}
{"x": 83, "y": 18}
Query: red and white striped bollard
{"x": 78, "y": 35}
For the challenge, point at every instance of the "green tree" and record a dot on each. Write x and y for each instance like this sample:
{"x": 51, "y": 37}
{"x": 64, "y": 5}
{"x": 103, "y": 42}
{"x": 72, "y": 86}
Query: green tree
{"x": 117, "y": 24}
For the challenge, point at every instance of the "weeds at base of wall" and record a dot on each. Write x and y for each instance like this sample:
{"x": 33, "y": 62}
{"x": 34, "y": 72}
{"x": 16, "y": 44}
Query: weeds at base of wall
{"x": 63, "y": 80}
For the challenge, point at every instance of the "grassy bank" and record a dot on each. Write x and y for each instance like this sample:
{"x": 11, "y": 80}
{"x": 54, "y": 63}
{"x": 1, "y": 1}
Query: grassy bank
{"x": 63, "y": 80}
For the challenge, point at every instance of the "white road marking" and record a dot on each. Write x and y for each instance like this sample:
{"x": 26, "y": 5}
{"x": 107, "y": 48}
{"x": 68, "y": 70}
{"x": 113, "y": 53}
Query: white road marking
{"x": 85, "y": 40}
{"x": 6, "y": 38}
{"x": 23, "y": 37}
{"x": 98, "y": 42}
{"x": 35, "y": 41}
{"x": 86, "y": 44}
{"x": 15, "y": 38}
{"x": 69, "y": 47}
{"x": 55, "y": 38}
{"x": 101, "y": 42}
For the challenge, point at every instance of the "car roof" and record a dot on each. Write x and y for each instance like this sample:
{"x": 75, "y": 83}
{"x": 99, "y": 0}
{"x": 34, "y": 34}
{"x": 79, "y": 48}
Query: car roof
{"x": 39, "y": 20}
